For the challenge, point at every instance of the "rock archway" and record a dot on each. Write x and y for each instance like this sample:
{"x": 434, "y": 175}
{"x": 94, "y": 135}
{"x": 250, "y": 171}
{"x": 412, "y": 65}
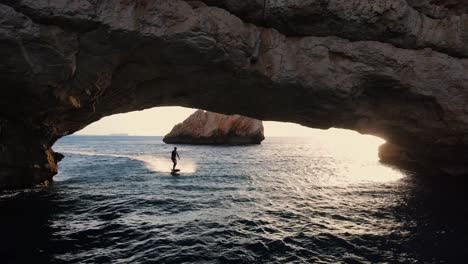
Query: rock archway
{"x": 395, "y": 69}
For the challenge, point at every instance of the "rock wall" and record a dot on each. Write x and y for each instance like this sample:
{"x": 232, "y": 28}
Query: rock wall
{"x": 395, "y": 69}
{"x": 208, "y": 128}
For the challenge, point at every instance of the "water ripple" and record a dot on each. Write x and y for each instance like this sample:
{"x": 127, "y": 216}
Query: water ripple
{"x": 240, "y": 205}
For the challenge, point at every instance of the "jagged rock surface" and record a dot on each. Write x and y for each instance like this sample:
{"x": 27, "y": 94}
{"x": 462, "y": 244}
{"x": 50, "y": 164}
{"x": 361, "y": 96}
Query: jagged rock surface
{"x": 208, "y": 128}
{"x": 399, "y": 22}
{"x": 395, "y": 69}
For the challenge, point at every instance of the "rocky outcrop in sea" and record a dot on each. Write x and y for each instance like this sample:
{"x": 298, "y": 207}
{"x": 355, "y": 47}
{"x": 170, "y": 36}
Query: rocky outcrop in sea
{"x": 208, "y": 128}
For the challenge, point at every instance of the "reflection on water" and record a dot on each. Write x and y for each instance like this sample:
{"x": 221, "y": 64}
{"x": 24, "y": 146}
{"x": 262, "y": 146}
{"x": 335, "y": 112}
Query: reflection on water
{"x": 288, "y": 200}
{"x": 155, "y": 164}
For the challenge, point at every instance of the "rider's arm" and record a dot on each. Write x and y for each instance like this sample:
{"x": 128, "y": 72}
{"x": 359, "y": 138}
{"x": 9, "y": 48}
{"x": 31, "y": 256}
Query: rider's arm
{"x": 178, "y": 155}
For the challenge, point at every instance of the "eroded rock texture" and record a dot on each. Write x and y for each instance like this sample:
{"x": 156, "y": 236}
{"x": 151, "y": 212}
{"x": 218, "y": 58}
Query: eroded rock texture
{"x": 208, "y": 128}
{"x": 395, "y": 69}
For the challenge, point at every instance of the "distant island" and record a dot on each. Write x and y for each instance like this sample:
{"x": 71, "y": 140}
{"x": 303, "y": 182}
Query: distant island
{"x": 208, "y": 128}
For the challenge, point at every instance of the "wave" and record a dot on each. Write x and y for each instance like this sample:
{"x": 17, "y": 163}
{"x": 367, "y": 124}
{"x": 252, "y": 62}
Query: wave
{"x": 152, "y": 163}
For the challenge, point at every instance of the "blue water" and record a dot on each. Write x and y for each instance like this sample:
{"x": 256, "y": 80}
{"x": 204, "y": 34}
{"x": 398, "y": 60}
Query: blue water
{"x": 286, "y": 201}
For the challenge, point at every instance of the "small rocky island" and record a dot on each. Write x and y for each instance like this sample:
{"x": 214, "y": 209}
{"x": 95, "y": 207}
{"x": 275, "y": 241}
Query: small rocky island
{"x": 203, "y": 127}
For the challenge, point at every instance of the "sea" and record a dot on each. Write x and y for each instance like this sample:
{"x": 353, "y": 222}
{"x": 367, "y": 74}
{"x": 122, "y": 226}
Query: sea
{"x": 288, "y": 200}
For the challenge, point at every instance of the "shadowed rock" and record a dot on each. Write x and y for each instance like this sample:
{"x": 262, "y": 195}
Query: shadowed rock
{"x": 208, "y": 128}
{"x": 394, "y": 69}
{"x": 440, "y": 25}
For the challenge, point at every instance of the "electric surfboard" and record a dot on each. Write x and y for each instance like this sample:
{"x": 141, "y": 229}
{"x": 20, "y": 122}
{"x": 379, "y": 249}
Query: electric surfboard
{"x": 175, "y": 172}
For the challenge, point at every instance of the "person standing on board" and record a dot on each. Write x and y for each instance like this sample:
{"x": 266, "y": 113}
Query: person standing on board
{"x": 174, "y": 154}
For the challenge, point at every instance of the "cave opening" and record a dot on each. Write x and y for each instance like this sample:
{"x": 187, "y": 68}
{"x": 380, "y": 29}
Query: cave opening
{"x": 138, "y": 135}
{"x": 396, "y": 69}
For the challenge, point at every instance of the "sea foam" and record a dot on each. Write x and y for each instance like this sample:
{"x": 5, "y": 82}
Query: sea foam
{"x": 153, "y": 163}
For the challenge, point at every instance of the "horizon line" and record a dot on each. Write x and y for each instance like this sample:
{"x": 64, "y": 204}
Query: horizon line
{"x": 129, "y": 135}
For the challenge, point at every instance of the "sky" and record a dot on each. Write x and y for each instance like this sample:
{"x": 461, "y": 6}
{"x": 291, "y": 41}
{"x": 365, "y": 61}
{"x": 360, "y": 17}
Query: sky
{"x": 156, "y": 121}
{"x": 160, "y": 120}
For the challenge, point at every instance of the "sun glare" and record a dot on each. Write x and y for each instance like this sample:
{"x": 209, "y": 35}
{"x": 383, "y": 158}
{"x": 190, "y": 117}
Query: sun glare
{"x": 359, "y": 151}
{"x": 340, "y": 141}
{"x": 159, "y": 121}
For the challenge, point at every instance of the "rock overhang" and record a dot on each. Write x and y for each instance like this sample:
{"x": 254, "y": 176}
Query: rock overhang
{"x": 66, "y": 64}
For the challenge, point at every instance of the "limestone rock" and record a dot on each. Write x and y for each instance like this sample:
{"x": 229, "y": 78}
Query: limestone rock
{"x": 412, "y": 24}
{"x": 208, "y": 128}
{"x": 395, "y": 69}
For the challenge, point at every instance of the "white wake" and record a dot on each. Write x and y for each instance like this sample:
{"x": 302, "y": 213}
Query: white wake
{"x": 156, "y": 164}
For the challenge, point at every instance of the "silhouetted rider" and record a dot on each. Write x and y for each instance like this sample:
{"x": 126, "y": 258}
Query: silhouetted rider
{"x": 174, "y": 154}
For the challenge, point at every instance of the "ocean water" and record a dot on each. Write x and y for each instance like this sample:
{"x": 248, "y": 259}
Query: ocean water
{"x": 289, "y": 200}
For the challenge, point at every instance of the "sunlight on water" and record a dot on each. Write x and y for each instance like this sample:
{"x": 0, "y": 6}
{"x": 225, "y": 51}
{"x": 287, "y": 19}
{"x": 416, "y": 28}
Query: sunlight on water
{"x": 358, "y": 156}
{"x": 345, "y": 157}
{"x": 372, "y": 172}
{"x": 322, "y": 199}
{"x": 351, "y": 144}
{"x": 158, "y": 164}
{"x": 155, "y": 164}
